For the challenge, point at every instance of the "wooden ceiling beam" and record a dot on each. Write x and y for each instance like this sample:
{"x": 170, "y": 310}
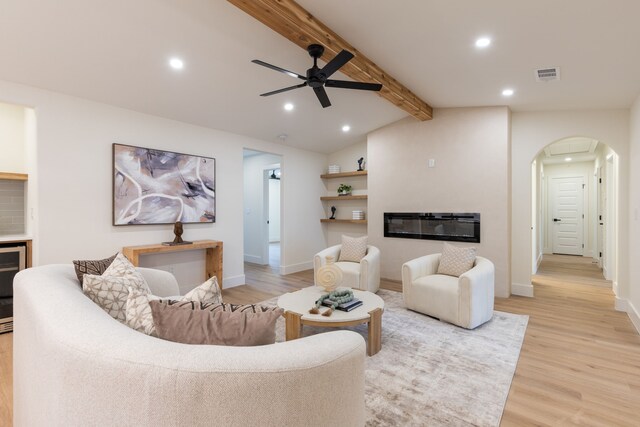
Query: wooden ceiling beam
{"x": 289, "y": 19}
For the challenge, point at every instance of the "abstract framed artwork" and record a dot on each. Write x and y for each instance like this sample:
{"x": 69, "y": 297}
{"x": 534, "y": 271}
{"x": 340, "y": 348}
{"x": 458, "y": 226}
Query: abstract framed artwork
{"x": 161, "y": 187}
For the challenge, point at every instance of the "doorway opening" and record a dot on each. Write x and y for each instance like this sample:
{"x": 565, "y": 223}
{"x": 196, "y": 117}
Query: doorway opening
{"x": 574, "y": 212}
{"x": 262, "y": 222}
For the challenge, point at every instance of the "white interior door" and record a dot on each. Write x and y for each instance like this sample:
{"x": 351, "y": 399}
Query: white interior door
{"x": 567, "y": 215}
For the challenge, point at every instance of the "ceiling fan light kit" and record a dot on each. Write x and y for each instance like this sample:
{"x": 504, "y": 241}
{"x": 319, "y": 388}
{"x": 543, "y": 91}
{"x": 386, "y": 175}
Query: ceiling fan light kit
{"x": 318, "y": 78}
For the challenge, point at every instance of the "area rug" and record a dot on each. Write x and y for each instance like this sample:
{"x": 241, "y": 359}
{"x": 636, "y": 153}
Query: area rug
{"x": 431, "y": 373}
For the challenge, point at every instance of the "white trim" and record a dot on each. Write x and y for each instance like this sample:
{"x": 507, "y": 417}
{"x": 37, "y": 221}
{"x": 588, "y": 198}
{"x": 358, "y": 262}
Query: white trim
{"x": 522, "y": 290}
{"x": 294, "y": 268}
{"x": 539, "y": 260}
{"x": 620, "y": 304}
{"x": 233, "y": 281}
{"x": 614, "y": 288}
{"x": 253, "y": 259}
{"x": 634, "y": 315}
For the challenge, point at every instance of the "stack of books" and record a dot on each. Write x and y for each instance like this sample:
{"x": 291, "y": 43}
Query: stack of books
{"x": 334, "y": 169}
{"x": 358, "y": 214}
{"x": 347, "y": 306}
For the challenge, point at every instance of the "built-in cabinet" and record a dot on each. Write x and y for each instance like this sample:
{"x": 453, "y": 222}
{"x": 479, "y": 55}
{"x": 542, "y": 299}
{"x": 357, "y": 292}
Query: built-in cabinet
{"x": 350, "y": 178}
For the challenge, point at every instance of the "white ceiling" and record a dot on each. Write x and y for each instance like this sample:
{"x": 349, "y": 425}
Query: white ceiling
{"x": 116, "y": 52}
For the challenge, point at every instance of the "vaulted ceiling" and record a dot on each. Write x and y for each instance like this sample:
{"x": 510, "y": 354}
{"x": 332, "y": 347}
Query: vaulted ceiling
{"x": 116, "y": 52}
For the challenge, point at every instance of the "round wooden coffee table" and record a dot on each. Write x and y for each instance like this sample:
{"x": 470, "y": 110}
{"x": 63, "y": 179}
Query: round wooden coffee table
{"x": 297, "y": 304}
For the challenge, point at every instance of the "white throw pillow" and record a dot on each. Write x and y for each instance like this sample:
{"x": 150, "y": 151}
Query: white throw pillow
{"x": 456, "y": 261}
{"x": 138, "y": 310}
{"x": 111, "y": 289}
{"x": 353, "y": 248}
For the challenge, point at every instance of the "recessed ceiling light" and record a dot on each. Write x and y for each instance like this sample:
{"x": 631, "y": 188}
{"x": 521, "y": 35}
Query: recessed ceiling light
{"x": 483, "y": 42}
{"x": 567, "y": 159}
{"x": 346, "y": 128}
{"x": 176, "y": 63}
{"x": 507, "y": 92}
{"x": 288, "y": 106}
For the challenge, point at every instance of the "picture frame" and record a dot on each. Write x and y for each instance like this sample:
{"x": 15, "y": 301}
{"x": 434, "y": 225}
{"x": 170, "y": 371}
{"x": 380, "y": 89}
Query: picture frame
{"x": 154, "y": 186}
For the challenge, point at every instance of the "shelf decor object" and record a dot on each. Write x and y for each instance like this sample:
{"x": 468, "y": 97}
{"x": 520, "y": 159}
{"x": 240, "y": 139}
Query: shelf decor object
{"x": 161, "y": 187}
{"x": 344, "y": 190}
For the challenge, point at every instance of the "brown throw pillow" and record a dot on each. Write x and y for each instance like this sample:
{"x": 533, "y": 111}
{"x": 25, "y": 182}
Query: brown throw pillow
{"x": 95, "y": 267}
{"x": 218, "y": 324}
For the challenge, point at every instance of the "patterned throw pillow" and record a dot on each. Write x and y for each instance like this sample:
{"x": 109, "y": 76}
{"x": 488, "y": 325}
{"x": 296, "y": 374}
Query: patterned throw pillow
{"x": 96, "y": 267}
{"x": 217, "y": 324}
{"x": 138, "y": 310}
{"x": 456, "y": 261}
{"x": 353, "y": 248}
{"x": 111, "y": 289}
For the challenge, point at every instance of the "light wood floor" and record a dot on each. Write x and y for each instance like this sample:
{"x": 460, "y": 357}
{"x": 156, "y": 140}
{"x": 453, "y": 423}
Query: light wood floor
{"x": 580, "y": 361}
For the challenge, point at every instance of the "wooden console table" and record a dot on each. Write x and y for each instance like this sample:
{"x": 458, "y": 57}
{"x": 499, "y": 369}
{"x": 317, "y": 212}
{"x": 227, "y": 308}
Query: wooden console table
{"x": 213, "y": 256}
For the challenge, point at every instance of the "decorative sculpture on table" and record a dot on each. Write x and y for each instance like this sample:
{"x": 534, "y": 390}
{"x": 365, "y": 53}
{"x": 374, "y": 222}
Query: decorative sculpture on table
{"x": 177, "y": 231}
{"x": 333, "y": 212}
{"x": 360, "y": 164}
{"x": 329, "y": 275}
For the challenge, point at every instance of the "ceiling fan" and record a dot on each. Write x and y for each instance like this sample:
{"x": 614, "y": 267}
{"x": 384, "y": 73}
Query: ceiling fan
{"x": 318, "y": 78}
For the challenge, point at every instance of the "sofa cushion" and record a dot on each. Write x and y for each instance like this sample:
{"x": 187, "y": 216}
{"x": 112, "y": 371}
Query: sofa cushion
{"x": 217, "y": 324}
{"x": 456, "y": 261}
{"x": 138, "y": 311}
{"x": 437, "y": 295}
{"x": 96, "y": 267}
{"x": 111, "y": 289}
{"x": 350, "y": 274}
{"x": 353, "y": 248}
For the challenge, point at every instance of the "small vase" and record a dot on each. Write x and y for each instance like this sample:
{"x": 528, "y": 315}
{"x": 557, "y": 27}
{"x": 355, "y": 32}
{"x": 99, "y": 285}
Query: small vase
{"x": 329, "y": 275}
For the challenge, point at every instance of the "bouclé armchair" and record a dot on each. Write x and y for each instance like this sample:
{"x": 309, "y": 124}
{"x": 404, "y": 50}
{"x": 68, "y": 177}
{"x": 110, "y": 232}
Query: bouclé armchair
{"x": 466, "y": 301}
{"x": 364, "y": 275}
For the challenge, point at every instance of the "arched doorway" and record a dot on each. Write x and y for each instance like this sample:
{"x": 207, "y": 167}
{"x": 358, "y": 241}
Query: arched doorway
{"x": 574, "y": 208}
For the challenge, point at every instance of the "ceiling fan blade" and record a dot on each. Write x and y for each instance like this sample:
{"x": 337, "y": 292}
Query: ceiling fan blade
{"x": 343, "y": 84}
{"x": 282, "y": 70}
{"x": 284, "y": 90}
{"x": 322, "y": 96}
{"x": 338, "y": 61}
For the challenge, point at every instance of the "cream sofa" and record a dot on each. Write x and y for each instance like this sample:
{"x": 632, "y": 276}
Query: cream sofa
{"x": 74, "y": 365}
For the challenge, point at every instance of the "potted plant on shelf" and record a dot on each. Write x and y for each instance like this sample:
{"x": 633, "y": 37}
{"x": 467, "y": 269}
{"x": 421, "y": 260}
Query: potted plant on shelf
{"x": 344, "y": 190}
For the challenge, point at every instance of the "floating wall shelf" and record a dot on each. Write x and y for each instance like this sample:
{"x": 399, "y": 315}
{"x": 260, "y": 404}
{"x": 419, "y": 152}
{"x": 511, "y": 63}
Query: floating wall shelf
{"x": 345, "y": 221}
{"x": 343, "y": 174}
{"x": 358, "y": 197}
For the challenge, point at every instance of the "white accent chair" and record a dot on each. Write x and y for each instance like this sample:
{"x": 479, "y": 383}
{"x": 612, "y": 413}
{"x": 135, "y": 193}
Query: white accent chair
{"x": 364, "y": 275}
{"x": 466, "y": 301}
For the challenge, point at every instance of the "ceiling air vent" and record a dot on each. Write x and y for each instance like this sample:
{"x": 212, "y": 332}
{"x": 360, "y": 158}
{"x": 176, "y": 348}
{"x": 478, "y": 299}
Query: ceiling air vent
{"x": 547, "y": 74}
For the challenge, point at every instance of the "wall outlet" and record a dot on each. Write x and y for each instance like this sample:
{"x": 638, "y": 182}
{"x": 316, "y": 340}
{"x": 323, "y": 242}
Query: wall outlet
{"x": 432, "y": 163}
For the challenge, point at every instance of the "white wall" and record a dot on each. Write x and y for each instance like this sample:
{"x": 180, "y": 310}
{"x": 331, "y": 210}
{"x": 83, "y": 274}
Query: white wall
{"x": 255, "y": 222}
{"x": 12, "y": 139}
{"x": 634, "y": 224}
{"x": 347, "y": 158}
{"x": 531, "y": 132}
{"x": 73, "y": 201}
{"x": 471, "y": 150}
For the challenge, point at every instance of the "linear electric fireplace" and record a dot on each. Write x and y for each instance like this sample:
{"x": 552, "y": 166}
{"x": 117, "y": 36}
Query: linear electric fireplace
{"x": 453, "y": 227}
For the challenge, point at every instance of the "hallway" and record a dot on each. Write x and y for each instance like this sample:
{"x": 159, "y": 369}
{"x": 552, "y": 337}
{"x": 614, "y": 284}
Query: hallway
{"x": 580, "y": 361}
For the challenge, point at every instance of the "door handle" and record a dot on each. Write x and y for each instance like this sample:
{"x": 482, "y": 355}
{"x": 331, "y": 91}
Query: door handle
{"x": 556, "y": 219}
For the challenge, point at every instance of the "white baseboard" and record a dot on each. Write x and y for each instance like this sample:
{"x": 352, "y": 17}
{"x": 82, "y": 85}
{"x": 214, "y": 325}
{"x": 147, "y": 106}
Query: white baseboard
{"x": 522, "y": 290}
{"x": 634, "y": 315}
{"x": 614, "y": 288}
{"x": 254, "y": 259}
{"x": 231, "y": 282}
{"x": 620, "y": 304}
{"x": 294, "y": 268}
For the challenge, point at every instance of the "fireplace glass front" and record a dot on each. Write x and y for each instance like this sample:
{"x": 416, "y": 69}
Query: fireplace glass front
{"x": 453, "y": 227}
